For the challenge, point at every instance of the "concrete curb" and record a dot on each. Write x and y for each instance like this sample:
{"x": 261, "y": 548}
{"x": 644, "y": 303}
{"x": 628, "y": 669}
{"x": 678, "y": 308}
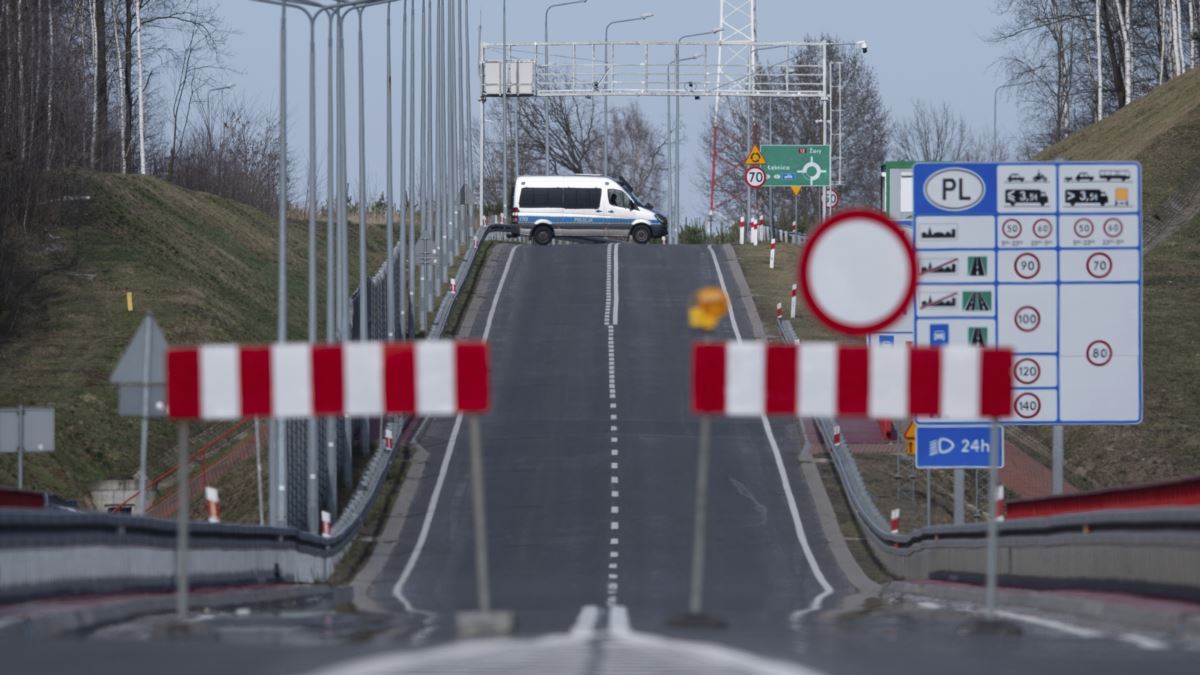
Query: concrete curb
{"x": 1179, "y": 620}
{"x": 76, "y": 619}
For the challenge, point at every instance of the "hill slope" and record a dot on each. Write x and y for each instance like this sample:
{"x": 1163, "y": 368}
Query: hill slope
{"x": 1162, "y": 131}
{"x": 204, "y": 265}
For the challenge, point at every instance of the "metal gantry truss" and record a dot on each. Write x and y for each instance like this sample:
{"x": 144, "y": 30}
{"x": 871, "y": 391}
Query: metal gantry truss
{"x": 647, "y": 68}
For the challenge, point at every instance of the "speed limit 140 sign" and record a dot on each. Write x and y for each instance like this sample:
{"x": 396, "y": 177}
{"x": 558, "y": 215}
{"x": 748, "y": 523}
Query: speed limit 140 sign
{"x": 755, "y": 177}
{"x": 1045, "y": 258}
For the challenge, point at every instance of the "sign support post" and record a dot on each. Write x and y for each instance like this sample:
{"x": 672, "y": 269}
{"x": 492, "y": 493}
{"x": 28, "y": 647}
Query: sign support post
{"x": 1056, "y": 462}
{"x": 960, "y": 488}
{"x": 144, "y": 430}
{"x": 20, "y": 447}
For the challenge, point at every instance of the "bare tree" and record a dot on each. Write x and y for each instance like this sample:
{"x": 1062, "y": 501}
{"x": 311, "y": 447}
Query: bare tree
{"x": 858, "y": 111}
{"x": 936, "y": 133}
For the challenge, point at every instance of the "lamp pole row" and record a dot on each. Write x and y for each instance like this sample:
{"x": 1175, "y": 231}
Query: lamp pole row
{"x": 433, "y": 119}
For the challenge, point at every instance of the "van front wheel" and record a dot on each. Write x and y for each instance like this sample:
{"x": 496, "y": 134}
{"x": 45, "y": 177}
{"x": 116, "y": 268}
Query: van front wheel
{"x": 542, "y": 235}
{"x": 641, "y": 234}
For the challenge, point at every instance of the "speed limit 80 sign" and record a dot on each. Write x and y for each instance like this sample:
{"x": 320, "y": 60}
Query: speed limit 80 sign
{"x": 755, "y": 177}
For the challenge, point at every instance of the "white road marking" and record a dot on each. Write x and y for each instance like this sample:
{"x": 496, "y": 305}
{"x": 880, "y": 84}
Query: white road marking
{"x": 585, "y": 623}
{"x": 415, "y": 556}
{"x": 826, "y": 588}
{"x": 1135, "y": 639}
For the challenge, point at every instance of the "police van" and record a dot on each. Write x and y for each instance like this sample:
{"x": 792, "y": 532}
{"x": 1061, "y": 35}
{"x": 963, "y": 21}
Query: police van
{"x": 545, "y": 207}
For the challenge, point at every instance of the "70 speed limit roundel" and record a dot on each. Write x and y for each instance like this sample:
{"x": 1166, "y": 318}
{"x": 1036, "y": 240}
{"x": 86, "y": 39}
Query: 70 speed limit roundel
{"x": 755, "y": 177}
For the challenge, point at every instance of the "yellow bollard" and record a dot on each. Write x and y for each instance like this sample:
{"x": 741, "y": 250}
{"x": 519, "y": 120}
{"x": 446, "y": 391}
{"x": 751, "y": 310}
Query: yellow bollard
{"x": 128, "y": 301}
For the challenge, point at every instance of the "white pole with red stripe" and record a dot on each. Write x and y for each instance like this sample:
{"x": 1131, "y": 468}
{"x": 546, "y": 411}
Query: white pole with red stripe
{"x": 326, "y": 524}
{"x": 754, "y": 231}
{"x": 772, "y": 257}
{"x": 894, "y": 525}
{"x": 742, "y": 230}
{"x": 778, "y": 311}
{"x": 214, "y": 504}
{"x": 793, "y": 301}
{"x": 1001, "y": 511}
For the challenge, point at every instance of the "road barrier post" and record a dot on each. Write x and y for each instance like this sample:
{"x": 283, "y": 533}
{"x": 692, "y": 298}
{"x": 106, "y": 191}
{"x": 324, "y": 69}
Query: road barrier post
{"x": 742, "y": 230}
{"x": 793, "y": 301}
{"x": 699, "y": 532}
{"x": 772, "y": 257}
{"x": 992, "y": 525}
{"x": 214, "y": 504}
{"x": 181, "y": 525}
{"x": 894, "y": 524}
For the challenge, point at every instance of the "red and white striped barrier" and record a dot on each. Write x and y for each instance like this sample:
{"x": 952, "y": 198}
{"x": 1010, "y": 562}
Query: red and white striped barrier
{"x": 772, "y": 264}
{"x": 825, "y": 379}
{"x": 214, "y": 504}
{"x": 326, "y": 524}
{"x": 895, "y": 521}
{"x": 793, "y": 301}
{"x": 299, "y": 380}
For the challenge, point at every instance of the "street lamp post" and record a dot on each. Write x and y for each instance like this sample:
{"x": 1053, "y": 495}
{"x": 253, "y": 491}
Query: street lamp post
{"x": 546, "y": 62}
{"x": 607, "y": 82}
{"x": 675, "y": 170}
{"x": 995, "y": 106}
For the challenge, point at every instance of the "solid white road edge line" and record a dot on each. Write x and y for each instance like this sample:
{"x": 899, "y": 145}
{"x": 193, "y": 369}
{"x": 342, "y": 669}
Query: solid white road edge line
{"x": 826, "y": 588}
{"x": 616, "y": 277}
{"x": 398, "y": 589}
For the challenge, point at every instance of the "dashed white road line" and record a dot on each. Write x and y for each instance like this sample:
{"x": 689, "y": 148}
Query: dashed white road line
{"x": 612, "y": 305}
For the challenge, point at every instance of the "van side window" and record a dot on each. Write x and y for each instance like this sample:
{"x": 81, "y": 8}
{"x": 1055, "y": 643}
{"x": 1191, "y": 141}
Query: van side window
{"x": 618, "y": 198}
{"x": 534, "y": 198}
{"x": 581, "y": 198}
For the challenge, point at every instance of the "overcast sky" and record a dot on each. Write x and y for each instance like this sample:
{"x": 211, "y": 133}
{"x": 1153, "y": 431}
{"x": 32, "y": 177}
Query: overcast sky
{"x": 928, "y": 49}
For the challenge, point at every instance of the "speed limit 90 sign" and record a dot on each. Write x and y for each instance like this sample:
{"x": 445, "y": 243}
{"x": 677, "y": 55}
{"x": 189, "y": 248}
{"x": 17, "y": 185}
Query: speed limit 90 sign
{"x": 755, "y": 177}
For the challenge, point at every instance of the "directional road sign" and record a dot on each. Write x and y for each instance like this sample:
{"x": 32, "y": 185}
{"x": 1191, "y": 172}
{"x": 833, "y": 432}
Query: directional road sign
{"x": 956, "y": 447}
{"x": 796, "y": 165}
{"x": 1046, "y": 258}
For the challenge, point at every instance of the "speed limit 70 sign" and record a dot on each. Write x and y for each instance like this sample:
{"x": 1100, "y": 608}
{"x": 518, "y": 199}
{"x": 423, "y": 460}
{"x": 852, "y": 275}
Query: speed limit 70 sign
{"x": 755, "y": 177}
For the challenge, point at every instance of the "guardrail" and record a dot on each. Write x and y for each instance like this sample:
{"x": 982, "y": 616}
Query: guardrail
{"x": 61, "y": 552}
{"x": 1148, "y": 551}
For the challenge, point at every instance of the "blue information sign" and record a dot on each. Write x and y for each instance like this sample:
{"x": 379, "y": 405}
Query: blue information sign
{"x": 956, "y": 447}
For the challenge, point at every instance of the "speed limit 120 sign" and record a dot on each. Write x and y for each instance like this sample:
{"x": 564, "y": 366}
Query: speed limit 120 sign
{"x": 755, "y": 177}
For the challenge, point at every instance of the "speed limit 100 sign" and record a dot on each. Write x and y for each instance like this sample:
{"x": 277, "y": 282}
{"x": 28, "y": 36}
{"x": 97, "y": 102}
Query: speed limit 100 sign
{"x": 755, "y": 177}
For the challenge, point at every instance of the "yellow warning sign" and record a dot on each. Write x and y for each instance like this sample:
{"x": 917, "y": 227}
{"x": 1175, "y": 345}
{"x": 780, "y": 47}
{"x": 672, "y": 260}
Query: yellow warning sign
{"x": 910, "y": 439}
{"x": 795, "y": 190}
{"x": 755, "y": 156}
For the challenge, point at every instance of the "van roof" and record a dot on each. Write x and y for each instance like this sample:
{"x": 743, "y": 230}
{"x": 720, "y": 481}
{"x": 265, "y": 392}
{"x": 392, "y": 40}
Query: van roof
{"x": 587, "y": 179}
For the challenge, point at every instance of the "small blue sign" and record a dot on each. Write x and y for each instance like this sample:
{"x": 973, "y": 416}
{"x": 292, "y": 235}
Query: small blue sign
{"x": 958, "y": 447}
{"x": 887, "y": 339}
{"x": 939, "y": 334}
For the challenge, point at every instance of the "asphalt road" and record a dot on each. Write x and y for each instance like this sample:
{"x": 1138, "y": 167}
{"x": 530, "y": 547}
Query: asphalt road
{"x": 590, "y": 454}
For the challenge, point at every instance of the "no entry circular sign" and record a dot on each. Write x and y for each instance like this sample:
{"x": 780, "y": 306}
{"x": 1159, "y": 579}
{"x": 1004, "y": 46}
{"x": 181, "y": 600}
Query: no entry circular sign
{"x": 858, "y": 272}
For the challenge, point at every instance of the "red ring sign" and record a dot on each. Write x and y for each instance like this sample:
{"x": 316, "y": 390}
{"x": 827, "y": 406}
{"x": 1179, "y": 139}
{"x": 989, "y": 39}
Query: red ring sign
{"x": 755, "y": 177}
{"x": 858, "y": 272}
